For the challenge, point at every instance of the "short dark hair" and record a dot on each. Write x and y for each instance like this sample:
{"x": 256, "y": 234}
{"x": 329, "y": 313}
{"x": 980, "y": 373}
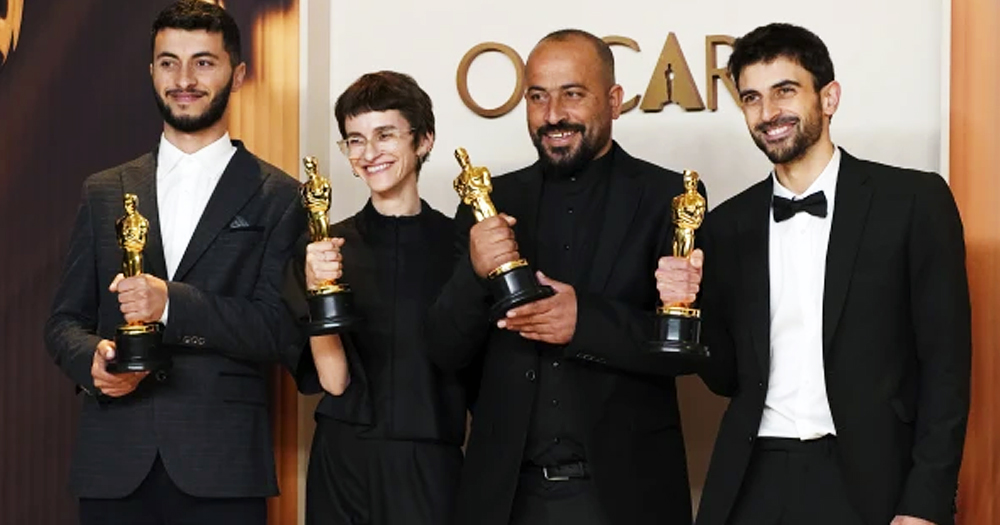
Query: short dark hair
{"x": 386, "y": 91}
{"x": 779, "y": 40}
{"x": 193, "y": 15}
{"x": 603, "y": 49}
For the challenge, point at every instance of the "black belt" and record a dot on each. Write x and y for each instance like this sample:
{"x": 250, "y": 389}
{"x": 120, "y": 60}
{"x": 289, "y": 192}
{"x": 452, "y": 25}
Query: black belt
{"x": 566, "y": 472}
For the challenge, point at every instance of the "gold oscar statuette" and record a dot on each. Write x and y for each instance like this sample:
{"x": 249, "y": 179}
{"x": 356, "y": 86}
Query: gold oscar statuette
{"x": 678, "y": 325}
{"x": 512, "y": 284}
{"x": 331, "y": 304}
{"x": 137, "y": 344}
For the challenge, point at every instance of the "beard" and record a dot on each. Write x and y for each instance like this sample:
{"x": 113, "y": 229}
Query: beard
{"x": 807, "y": 133}
{"x": 564, "y": 160}
{"x": 191, "y": 124}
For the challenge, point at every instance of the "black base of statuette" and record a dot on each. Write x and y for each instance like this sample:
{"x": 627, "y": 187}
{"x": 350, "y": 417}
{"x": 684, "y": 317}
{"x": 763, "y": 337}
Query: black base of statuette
{"x": 677, "y": 334}
{"x": 332, "y": 312}
{"x": 514, "y": 288}
{"x": 139, "y": 348}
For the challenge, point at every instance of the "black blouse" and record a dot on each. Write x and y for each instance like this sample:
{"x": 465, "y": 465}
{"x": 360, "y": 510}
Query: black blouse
{"x": 395, "y": 267}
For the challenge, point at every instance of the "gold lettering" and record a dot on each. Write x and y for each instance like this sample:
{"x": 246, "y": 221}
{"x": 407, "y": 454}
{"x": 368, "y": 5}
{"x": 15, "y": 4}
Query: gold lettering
{"x": 625, "y": 41}
{"x": 463, "y": 79}
{"x": 671, "y": 81}
{"x": 10, "y": 28}
{"x": 714, "y": 72}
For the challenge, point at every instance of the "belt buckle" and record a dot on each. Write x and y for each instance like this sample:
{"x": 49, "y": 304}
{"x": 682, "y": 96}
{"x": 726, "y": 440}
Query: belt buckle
{"x": 545, "y": 473}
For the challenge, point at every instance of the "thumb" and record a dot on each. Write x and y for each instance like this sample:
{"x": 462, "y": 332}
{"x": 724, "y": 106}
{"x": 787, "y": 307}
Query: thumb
{"x": 697, "y": 258}
{"x": 106, "y": 349}
{"x": 510, "y": 220}
{"x": 545, "y": 280}
{"x": 337, "y": 241}
{"x": 114, "y": 284}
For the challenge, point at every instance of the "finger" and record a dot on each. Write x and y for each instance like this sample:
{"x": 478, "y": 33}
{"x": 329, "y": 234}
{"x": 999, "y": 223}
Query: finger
{"x": 106, "y": 349}
{"x": 510, "y": 220}
{"x": 337, "y": 242}
{"x": 320, "y": 246}
{"x": 533, "y": 308}
{"x": 556, "y": 285}
{"x": 673, "y": 263}
{"x": 535, "y": 323}
{"x": 113, "y": 287}
{"x": 697, "y": 258}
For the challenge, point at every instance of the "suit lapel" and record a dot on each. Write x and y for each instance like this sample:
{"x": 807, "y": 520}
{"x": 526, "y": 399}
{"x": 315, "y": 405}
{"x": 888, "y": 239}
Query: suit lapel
{"x": 852, "y": 199}
{"x": 238, "y": 183}
{"x": 140, "y": 180}
{"x": 754, "y": 239}
{"x": 622, "y": 203}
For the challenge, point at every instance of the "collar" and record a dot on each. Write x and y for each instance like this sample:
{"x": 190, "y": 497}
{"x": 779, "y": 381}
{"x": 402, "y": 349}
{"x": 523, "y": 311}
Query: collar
{"x": 826, "y": 182}
{"x": 212, "y": 157}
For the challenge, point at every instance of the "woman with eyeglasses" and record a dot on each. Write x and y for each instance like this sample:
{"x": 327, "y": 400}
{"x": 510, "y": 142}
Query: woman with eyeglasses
{"x": 389, "y": 429}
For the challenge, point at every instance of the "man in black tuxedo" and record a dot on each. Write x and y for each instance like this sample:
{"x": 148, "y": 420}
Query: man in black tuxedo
{"x": 574, "y": 423}
{"x": 836, "y": 309}
{"x": 193, "y": 446}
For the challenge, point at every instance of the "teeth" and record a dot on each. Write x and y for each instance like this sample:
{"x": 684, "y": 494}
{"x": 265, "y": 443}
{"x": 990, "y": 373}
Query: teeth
{"x": 778, "y": 131}
{"x": 560, "y": 135}
{"x": 377, "y": 167}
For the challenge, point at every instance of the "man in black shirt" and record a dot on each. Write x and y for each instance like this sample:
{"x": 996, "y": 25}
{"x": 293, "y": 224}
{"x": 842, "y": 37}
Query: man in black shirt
{"x": 575, "y": 423}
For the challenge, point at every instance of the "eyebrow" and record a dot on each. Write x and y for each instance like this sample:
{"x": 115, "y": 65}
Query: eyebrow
{"x": 201, "y": 54}
{"x": 781, "y": 84}
{"x": 564, "y": 86}
{"x": 376, "y": 130}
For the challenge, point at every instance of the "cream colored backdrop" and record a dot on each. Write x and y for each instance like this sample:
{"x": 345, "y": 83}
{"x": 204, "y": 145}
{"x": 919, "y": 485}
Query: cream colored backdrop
{"x": 890, "y": 57}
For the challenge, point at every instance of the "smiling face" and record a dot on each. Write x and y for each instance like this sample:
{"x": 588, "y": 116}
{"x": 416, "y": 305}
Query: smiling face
{"x": 390, "y": 162}
{"x": 785, "y": 114}
{"x": 571, "y": 103}
{"x": 192, "y": 78}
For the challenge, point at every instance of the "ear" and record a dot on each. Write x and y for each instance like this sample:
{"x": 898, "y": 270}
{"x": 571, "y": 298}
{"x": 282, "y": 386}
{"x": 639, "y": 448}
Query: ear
{"x": 830, "y": 98}
{"x": 425, "y": 146}
{"x": 239, "y": 75}
{"x": 615, "y": 97}
{"x": 150, "y": 70}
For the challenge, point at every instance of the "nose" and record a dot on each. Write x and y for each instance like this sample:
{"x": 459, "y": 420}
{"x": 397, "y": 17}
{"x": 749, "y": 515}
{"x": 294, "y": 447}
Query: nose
{"x": 186, "y": 79}
{"x": 371, "y": 150}
{"x": 769, "y": 109}
{"x": 554, "y": 112}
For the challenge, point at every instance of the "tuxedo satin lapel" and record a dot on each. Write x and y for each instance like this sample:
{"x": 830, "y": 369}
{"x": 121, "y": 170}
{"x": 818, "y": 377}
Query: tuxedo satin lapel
{"x": 238, "y": 183}
{"x": 525, "y": 210}
{"x": 850, "y": 211}
{"x": 624, "y": 196}
{"x": 140, "y": 179}
{"x": 754, "y": 239}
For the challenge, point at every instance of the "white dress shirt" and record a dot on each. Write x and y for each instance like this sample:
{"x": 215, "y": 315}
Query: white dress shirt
{"x": 796, "y": 405}
{"x": 184, "y": 184}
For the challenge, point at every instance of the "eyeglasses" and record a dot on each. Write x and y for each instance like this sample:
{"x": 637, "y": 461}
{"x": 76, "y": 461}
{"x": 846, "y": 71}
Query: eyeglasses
{"x": 385, "y": 139}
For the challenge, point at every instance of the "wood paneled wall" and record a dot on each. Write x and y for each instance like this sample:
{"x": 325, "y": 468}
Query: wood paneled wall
{"x": 975, "y": 159}
{"x": 265, "y": 115}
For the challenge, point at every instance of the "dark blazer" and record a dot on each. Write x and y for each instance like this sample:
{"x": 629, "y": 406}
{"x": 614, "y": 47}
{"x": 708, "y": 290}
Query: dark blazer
{"x": 628, "y": 401}
{"x": 208, "y": 420}
{"x": 896, "y": 339}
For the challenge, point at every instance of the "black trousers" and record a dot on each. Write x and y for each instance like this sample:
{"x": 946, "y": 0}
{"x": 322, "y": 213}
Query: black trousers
{"x": 542, "y": 502}
{"x": 792, "y": 482}
{"x": 158, "y": 501}
{"x": 355, "y": 481}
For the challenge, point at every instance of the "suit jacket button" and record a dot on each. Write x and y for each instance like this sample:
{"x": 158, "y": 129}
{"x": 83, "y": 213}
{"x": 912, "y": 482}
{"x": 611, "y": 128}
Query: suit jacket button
{"x": 530, "y": 375}
{"x": 201, "y": 341}
{"x": 750, "y": 439}
{"x": 760, "y": 384}
{"x": 186, "y": 340}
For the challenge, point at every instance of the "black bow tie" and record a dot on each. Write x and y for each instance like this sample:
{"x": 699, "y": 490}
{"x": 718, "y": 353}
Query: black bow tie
{"x": 814, "y": 204}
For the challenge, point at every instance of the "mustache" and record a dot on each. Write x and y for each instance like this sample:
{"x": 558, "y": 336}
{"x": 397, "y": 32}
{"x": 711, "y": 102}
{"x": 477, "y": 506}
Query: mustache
{"x": 172, "y": 92}
{"x": 763, "y": 127}
{"x": 561, "y": 126}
